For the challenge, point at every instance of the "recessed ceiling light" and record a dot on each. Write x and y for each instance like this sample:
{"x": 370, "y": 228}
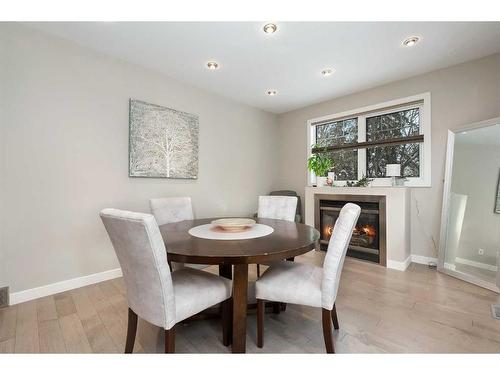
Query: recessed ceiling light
{"x": 270, "y": 28}
{"x": 327, "y": 72}
{"x": 411, "y": 41}
{"x": 212, "y": 65}
{"x": 272, "y": 92}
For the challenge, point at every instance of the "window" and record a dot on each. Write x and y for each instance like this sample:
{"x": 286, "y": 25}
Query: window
{"x": 390, "y": 126}
{"x": 363, "y": 141}
{"x": 341, "y": 133}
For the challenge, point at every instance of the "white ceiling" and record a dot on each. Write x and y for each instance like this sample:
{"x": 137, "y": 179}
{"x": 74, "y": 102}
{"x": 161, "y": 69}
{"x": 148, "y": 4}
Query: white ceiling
{"x": 363, "y": 54}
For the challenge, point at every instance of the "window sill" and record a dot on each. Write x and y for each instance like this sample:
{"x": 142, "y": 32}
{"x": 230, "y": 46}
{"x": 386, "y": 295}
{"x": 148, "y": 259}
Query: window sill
{"x": 373, "y": 186}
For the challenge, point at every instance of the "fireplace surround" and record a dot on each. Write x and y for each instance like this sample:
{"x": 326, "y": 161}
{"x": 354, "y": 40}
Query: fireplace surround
{"x": 397, "y": 216}
{"x": 368, "y": 241}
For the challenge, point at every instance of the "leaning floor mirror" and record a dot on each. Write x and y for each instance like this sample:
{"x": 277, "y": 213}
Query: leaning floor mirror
{"x": 470, "y": 221}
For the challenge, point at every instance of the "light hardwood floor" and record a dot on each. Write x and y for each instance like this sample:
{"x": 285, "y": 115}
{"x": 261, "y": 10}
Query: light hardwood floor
{"x": 380, "y": 310}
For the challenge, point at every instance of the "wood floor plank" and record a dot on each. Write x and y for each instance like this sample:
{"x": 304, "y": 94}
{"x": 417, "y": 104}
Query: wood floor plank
{"x": 97, "y": 334}
{"x": 64, "y": 304}
{"x": 119, "y": 303}
{"x": 114, "y": 321}
{"x": 74, "y": 335}
{"x": 50, "y": 336}
{"x": 27, "y": 328}
{"x": 486, "y": 328}
{"x": 8, "y": 321}
{"x": 84, "y": 307}
{"x": 120, "y": 285}
{"x": 8, "y": 346}
{"x": 111, "y": 292}
{"x": 46, "y": 308}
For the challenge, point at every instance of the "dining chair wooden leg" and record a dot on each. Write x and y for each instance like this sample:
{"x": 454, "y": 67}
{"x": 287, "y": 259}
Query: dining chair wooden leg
{"x": 335, "y": 319}
{"x": 327, "y": 330}
{"x": 131, "y": 331}
{"x": 261, "y": 307}
{"x": 226, "y": 321}
{"x": 170, "y": 340}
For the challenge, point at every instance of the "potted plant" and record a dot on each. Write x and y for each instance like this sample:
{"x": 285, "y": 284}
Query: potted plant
{"x": 320, "y": 164}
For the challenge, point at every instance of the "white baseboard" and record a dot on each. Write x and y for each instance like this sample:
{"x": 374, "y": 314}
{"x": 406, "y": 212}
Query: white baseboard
{"x": 400, "y": 266}
{"x": 63, "y": 286}
{"x": 473, "y": 263}
{"x": 420, "y": 259}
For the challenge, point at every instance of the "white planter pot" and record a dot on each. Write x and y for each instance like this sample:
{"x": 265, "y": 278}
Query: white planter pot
{"x": 320, "y": 181}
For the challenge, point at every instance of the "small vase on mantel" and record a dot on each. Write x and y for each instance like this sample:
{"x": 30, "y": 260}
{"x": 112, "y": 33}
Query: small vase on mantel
{"x": 330, "y": 179}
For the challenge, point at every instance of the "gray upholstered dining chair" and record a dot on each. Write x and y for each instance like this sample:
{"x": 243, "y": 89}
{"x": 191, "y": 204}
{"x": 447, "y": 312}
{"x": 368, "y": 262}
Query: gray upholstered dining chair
{"x": 173, "y": 210}
{"x": 154, "y": 293}
{"x": 305, "y": 284}
{"x": 276, "y": 207}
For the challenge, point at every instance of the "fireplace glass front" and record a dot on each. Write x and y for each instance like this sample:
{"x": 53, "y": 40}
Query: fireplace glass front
{"x": 365, "y": 241}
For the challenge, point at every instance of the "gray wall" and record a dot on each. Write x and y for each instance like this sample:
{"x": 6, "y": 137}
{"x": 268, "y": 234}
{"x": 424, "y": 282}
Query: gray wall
{"x": 461, "y": 95}
{"x": 64, "y": 129}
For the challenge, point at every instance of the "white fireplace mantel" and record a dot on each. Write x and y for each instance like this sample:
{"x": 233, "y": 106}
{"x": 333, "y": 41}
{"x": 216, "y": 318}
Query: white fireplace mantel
{"x": 397, "y": 217}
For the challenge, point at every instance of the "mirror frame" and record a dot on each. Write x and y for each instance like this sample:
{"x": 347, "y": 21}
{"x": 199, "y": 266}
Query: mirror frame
{"x": 445, "y": 207}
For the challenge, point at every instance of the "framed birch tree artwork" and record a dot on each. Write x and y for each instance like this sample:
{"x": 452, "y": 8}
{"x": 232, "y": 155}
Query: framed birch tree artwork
{"x": 163, "y": 142}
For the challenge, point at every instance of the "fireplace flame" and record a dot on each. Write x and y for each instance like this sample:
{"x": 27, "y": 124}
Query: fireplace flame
{"x": 327, "y": 231}
{"x": 369, "y": 230}
{"x": 360, "y": 230}
{"x": 366, "y": 231}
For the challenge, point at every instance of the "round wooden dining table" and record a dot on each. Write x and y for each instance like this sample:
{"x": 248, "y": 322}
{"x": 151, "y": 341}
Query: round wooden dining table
{"x": 289, "y": 239}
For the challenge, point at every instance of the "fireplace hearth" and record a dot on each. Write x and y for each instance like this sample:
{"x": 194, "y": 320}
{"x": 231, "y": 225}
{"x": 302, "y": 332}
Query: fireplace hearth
{"x": 368, "y": 238}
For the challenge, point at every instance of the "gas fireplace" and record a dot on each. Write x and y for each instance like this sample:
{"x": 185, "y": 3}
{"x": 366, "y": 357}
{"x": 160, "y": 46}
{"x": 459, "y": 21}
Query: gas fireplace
{"x": 368, "y": 237}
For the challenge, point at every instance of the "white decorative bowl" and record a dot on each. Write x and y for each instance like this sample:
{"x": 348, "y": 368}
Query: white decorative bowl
{"x": 233, "y": 224}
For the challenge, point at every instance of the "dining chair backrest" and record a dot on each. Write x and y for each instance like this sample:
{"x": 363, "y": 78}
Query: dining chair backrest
{"x": 171, "y": 210}
{"x": 277, "y": 207}
{"x": 291, "y": 193}
{"x": 335, "y": 255}
{"x": 141, "y": 252}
